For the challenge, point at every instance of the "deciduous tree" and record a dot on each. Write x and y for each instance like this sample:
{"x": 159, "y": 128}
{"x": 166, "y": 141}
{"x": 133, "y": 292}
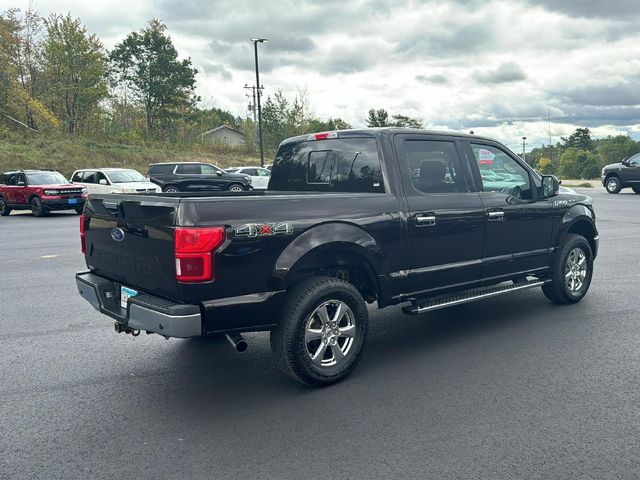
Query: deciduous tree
{"x": 147, "y": 62}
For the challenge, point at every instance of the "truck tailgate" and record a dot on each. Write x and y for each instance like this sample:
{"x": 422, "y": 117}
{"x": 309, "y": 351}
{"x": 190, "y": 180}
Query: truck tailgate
{"x": 130, "y": 239}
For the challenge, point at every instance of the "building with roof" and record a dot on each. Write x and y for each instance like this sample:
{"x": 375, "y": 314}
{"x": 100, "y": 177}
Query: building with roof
{"x": 225, "y": 135}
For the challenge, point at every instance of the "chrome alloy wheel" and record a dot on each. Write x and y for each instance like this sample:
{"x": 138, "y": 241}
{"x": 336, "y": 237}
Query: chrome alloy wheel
{"x": 575, "y": 269}
{"x": 329, "y": 333}
{"x": 236, "y": 188}
{"x": 612, "y": 184}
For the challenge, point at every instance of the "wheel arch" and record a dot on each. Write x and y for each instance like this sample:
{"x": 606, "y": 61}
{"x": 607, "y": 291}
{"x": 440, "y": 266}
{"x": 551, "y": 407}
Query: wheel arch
{"x": 356, "y": 258}
{"x": 580, "y": 220}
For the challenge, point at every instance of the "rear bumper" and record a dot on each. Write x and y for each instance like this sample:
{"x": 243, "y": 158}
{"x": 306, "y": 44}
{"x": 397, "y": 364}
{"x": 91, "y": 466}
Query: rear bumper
{"x": 143, "y": 312}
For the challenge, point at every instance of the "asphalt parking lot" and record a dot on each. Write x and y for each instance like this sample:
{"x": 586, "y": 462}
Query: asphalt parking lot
{"x": 511, "y": 387}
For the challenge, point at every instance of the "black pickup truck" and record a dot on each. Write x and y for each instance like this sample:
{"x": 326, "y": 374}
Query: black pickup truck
{"x": 391, "y": 216}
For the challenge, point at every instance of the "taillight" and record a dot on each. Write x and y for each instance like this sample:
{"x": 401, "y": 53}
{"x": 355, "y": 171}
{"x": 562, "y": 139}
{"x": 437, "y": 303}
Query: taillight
{"x": 82, "y": 239}
{"x": 194, "y": 249}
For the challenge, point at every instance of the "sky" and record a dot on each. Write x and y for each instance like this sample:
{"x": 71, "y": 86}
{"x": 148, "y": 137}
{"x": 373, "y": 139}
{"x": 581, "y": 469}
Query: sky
{"x": 500, "y": 68}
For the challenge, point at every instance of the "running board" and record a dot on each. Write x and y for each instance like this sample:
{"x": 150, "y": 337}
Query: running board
{"x": 469, "y": 296}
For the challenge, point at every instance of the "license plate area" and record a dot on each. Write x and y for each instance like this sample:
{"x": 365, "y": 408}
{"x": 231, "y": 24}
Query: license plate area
{"x": 125, "y": 294}
{"x": 72, "y": 201}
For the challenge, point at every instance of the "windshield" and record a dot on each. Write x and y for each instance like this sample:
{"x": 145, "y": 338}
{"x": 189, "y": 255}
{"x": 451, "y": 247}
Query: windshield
{"x": 126, "y": 176}
{"x": 46, "y": 178}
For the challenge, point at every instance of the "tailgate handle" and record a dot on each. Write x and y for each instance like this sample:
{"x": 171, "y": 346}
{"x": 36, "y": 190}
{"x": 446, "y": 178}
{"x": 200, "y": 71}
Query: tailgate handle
{"x": 110, "y": 205}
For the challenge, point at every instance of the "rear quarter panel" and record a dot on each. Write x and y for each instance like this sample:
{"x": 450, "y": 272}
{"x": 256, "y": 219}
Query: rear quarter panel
{"x": 248, "y": 264}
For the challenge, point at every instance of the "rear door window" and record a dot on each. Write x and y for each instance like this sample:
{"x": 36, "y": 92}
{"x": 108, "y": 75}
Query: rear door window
{"x": 331, "y": 165}
{"x": 189, "y": 169}
{"x": 434, "y": 166}
{"x": 161, "y": 169}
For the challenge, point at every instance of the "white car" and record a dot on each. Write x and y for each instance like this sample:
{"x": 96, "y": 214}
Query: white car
{"x": 259, "y": 176}
{"x": 113, "y": 180}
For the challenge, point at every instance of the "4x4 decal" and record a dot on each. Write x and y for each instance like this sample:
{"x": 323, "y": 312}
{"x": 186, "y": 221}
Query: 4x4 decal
{"x": 263, "y": 229}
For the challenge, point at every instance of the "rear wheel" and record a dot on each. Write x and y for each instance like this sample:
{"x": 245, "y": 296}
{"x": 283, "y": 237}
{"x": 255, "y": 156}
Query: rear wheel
{"x": 636, "y": 189}
{"x": 613, "y": 184}
{"x": 4, "y": 208}
{"x": 37, "y": 208}
{"x": 236, "y": 188}
{"x": 170, "y": 189}
{"x": 572, "y": 271}
{"x": 322, "y": 331}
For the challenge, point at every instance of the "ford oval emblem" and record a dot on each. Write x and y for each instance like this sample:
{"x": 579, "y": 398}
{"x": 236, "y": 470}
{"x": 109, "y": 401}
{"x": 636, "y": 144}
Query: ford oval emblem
{"x": 117, "y": 234}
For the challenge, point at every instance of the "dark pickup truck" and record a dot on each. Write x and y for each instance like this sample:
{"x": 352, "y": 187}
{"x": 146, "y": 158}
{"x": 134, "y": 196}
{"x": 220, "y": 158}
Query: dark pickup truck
{"x": 392, "y": 216}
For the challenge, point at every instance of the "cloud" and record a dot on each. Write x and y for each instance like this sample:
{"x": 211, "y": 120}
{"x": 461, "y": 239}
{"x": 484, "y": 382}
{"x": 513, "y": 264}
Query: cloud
{"x": 592, "y": 8}
{"x": 625, "y": 93}
{"x": 493, "y": 65}
{"x": 437, "y": 79}
{"x": 505, "y": 73}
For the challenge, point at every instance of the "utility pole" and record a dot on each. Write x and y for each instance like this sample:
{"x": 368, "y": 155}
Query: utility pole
{"x": 255, "y": 49}
{"x": 252, "y": 104}
{"x": 524, "y": 158}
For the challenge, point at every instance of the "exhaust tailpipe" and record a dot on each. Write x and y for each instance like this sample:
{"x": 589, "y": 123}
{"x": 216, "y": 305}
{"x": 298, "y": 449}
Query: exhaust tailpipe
{"x": 237, "y": 341}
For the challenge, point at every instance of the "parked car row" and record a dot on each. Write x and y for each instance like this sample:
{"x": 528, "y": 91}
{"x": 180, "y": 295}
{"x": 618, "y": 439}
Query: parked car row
{"x": 43, "y": 191}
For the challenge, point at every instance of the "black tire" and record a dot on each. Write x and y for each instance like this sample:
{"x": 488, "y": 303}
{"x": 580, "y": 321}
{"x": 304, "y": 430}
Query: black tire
{"x": 170, "y": 189}
{"x": 37, "y": 208}
{"x": 4, "y": 209}
{"x": 235, "y": 187}
{"x": 612, "y": 184}
{"x": 559, "y": 290}
{"x": 292, "y": 349}
{"x": 636, "y": 189}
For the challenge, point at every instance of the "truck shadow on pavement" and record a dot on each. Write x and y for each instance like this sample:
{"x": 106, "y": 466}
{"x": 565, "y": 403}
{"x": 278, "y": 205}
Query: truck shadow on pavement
{"x": 396, "y": 343}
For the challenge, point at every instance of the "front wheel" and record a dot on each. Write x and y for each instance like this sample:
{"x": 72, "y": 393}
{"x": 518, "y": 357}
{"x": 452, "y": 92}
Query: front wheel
{"x": 170, "y": 190}
{"x": 613, "y": 185}
{"x": 37, "y": 208}
{"x": 4, "y": 208}
{"x": 236, "y": 188}
{"x": 636, "y": 189}
{"x": 322, "y": 332}
{"x": 572, "y": 271}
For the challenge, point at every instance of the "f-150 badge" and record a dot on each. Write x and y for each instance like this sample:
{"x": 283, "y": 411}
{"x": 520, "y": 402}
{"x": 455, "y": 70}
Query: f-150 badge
{"x": 263, "y": 229}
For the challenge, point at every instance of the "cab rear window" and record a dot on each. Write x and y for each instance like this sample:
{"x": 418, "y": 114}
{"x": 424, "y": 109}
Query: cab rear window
{"x": 331, "y": 165}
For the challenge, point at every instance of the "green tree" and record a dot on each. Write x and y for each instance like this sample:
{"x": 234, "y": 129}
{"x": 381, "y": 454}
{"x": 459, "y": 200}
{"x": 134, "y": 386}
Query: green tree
{"x": 317, "y": 125}
{"x": 146, "y": 62}
{"x": 616, "y": 149}
{"x": 580, "y": 139}
{"x": 378, "y": 118}
{"x": 75, "y": 66}
{"x": 576, "y": 163}
{"x": 20, "y": 103}
{"x": 569, "y": 163}
{"x": 408, "y": 122}
{"x": 587, "y": 164}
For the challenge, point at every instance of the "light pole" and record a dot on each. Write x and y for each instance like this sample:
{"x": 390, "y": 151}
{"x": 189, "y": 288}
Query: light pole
{"x": 256, "y": 41}
{"x": 524, "y": 158}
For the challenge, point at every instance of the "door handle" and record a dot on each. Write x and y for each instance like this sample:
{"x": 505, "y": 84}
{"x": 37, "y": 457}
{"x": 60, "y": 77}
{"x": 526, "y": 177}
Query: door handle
{"x": 496, "y": 216}
{"x": 425, "y": 220}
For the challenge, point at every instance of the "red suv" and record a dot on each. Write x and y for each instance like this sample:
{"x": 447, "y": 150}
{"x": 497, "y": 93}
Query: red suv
{"x": 40, "y": 191}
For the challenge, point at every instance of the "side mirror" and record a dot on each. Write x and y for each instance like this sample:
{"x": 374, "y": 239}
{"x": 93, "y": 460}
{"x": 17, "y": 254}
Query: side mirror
{"x": 625, "y": 162}
{"x": 218, "y": 173}
{"x": 550, "y": 186}
{"x": 22, "y": 184}
{"x": 103, "y": 182}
